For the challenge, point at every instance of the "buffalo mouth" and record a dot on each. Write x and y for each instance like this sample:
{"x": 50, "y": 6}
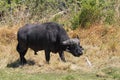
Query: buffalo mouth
{"x": 77, "y": 55}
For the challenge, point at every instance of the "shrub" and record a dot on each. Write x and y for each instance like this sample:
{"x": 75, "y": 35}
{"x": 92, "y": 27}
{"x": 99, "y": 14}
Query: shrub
{"x": 92, "y": 12}
{"x": 89, "y": 13}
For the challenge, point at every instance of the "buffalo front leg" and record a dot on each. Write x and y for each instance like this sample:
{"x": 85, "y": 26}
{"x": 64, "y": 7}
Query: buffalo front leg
{"x": 22, "y": 51}
{"x": 61, "y": 54}
{"x": 47, "y": 56}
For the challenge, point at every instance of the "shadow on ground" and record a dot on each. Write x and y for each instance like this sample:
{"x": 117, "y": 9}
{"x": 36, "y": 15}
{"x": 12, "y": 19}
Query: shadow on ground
{"x": 16, "y": 63}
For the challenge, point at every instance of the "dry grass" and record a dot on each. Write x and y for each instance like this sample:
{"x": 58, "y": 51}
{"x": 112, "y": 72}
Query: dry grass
{"x": 101, "y": 44}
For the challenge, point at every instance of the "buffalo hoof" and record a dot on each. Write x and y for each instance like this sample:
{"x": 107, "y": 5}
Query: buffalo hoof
{"x": 23, "y": 62}
{"x": 63, "y": 60}
{"x": 47, "y": 62}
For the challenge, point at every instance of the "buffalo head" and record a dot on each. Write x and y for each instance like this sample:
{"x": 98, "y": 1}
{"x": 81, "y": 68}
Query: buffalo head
{"x": 73, "y": 46}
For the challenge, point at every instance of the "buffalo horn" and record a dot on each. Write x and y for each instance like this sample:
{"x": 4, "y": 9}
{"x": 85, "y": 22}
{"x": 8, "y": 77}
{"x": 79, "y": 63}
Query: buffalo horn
{"x": 71, "y": 41}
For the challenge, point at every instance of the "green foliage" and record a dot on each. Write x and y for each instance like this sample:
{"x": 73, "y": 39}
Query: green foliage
{"x": 110, "y": 17}
{"x": 89, "y": 14}
{"x": 92, "y": 12}
{"x": 109, "y": 12}
{"x": 75, "y": 21}
{"x": 83, "y": 13}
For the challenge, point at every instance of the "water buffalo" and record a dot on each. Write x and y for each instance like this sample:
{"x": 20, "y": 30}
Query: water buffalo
{"x": 50, "y": 37}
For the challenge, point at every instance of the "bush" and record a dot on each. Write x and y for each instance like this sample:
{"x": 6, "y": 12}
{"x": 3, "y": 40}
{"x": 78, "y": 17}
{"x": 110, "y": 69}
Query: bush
{"x": 89, "y": 14}
{"x": 92, "y": 12}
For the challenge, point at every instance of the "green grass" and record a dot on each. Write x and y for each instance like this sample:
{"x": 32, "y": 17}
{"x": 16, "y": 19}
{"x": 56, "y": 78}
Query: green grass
{"x": 10, "y": 75}
{"x": 112, "y": 72}
{"x": 20, "y": 74}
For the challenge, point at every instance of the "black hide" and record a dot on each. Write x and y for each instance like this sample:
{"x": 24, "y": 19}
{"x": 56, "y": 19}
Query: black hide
{"x": 47, "y": 36}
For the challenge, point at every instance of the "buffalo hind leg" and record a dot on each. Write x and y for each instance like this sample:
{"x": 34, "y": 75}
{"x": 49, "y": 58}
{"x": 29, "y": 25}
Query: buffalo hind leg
{"x": 47, "y": 56}
{"x": 22, "y": 51}
{"x": 61, "y": 54}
